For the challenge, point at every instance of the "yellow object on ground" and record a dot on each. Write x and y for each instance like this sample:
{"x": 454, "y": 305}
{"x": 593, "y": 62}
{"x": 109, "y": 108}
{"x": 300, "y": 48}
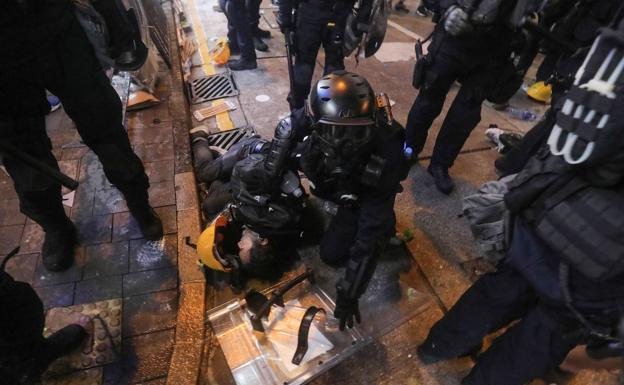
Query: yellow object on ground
{"x": 207, "y": 243}
{"x": 220, "y": 53}
{"x": 540, "y": 92}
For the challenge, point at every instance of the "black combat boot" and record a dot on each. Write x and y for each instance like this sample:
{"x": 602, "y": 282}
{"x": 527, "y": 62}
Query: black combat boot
{"x": 441, "y": 177}
{"x": 149, "y": 222}
{"x": 259, "y": 45}
{"x": 241, "y": 65}
{"x": 57, "y": 252}
{"x": 261, "y": 33}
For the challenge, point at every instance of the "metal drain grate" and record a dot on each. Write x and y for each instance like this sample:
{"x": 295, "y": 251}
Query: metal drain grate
{"x": 225, "y": 139}
{"x": 212, "y": 87}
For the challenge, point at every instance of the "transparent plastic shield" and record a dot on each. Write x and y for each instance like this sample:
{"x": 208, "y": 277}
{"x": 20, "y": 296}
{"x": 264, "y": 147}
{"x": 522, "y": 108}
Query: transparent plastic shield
{"x": 266, "y": 358}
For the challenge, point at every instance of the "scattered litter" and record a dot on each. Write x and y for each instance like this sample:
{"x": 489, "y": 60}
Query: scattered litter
{"x": 213, "y": 110}
{"x": 263, "y": 98}
{"x": 412, "y": 295}
{"x": 141, "y": 99}
{"x": 392, "y": 103}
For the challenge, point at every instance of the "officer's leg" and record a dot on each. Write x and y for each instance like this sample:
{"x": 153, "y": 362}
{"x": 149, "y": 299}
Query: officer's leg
{"x": 232, "y": 35}
{"x": 527, "y": 350}
{"x": 332, "y": 45}
{"x": 92, "y": 103}
{"x": 40, "y": 197}
{"x": 308, "y": 37}
{"x": 461, "y": 119}
{"x": 238, "y": 17}
{"x": 492, "y": 302}
{"x": 429, "y": 102}
{"x": 339, "y": 236}
{"x": 253, "y": 9}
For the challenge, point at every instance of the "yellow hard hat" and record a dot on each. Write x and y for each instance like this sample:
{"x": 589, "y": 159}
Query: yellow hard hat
{"x": 540, "y": 91}
{"x": 220, "y": 53}
{"x": 208, "y": 244}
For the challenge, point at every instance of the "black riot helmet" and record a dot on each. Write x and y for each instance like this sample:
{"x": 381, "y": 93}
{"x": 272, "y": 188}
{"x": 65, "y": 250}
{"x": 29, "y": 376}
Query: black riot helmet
{"x": 343, "y": 108}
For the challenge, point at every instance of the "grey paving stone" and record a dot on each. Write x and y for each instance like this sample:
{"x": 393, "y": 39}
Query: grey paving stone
{"x": 96, "y": 229}
{"x": 125, "y": 227}
{"x": 44, "y": 277}
{"x": 98, "y": 289}
{"x": 106, "y": 259}
{"x": 57, "y": 295}
{"x": 150, "y": 281}
{"x": 149, "y": 313}
{"x": 108, "y": 201}
{"x": 150, "y": 255}
{"x": 32, "y": 239}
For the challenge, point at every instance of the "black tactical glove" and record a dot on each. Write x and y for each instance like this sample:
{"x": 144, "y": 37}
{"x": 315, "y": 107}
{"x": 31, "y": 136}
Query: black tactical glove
{"x": 457, "y": 21}
{"x": 347, "y": 309}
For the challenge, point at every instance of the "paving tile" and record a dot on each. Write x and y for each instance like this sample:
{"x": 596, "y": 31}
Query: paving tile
{"x": 149, "y": 132}
{"x": 56, "y": 296}
{"x": 159, "y": 171}
{"x": 106, "y": 259}
{"x": 186, "y": 191}
{"x": 22, "y": 267}
{"x": 150, "y": 255}
{"x": 7, "y": 191}
{"x": 10, "y": 237}
{"x": 188, "y": 226}
{"x": 162, "y": 194}
{"x": 125, "y": 227}
{"x": 98, "y": 289}
{"x": 91, "y": 174}
{"x": 32, "y": 239}
{"x": 150, "y": 281}
{"x": 44, "y": 277}
{"x": 152, "y": 152}
{"x": 84, "y": 200}
{"x": 69, "y": 168}
{"x": 147, "y": 356}
{"x": 168, "y": 215}
{"x": 96, "y": 229}
{"x": 74, "y": 152}
{"x": 156, "y": 114}
{"x": 10, "y": 213}
{"x": 149, "y": 313}
{"x": 109, "y": 201}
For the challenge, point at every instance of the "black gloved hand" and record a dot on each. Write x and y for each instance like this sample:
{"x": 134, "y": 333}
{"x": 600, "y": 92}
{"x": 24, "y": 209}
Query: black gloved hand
{"x": 347, "y": 310}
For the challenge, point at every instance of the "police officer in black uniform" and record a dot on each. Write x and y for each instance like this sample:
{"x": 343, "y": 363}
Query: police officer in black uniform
{"x": 563, "y": 276}
{"x": 471, "y": 45}
{"x": 44, "y": 47}
{"x": 24, "y": 352}
{"x": 240, "y": 34}
{"x": 351, "y": 152}
{"x": 318, "y": 22}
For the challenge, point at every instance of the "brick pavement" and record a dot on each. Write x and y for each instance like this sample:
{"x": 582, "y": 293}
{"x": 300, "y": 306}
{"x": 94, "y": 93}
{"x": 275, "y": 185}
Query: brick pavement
{"x": 112, "y": 261}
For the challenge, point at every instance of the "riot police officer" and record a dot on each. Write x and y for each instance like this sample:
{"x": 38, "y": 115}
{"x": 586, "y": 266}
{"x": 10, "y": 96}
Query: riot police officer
{"x": 316, "y": 23}
{"x": 46, "y": 48}
{"x": 351, "y": 152}
{"x": 239, "y": 34}
{"x": 471, "y": 44}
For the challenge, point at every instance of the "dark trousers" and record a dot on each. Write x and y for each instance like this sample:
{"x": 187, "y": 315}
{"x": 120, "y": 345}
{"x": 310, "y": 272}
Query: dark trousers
{"x": 529, "y": 349}
{"x": 239, "y": 31}
{"x": 461, "y": 119}
{"x": 21, "y": 329}
{"x": 208, "y": 168}
{"x": 253, "y": 10}
{"x": 312, "y": 32}
{"x": 69, "y": 69}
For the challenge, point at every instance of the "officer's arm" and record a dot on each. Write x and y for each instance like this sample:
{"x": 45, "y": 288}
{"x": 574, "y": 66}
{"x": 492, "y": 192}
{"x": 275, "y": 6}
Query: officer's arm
{"x": 288, "y": 133}
{"x": 285, "y": 19}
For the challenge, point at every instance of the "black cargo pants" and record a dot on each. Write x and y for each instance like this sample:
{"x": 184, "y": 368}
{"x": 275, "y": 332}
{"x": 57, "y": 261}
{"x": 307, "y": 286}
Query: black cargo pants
{"x": 449, "y": 63}
{"x": 69, "y": 69}
{"x": 318, "y": 23}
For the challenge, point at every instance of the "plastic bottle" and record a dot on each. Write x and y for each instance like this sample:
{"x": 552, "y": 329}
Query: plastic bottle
{"x": 519, "y": 114}
{"x": 290, "y": 184}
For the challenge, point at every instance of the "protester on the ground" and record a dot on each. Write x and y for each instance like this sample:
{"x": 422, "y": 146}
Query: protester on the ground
{"x": 48, "y": 49}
